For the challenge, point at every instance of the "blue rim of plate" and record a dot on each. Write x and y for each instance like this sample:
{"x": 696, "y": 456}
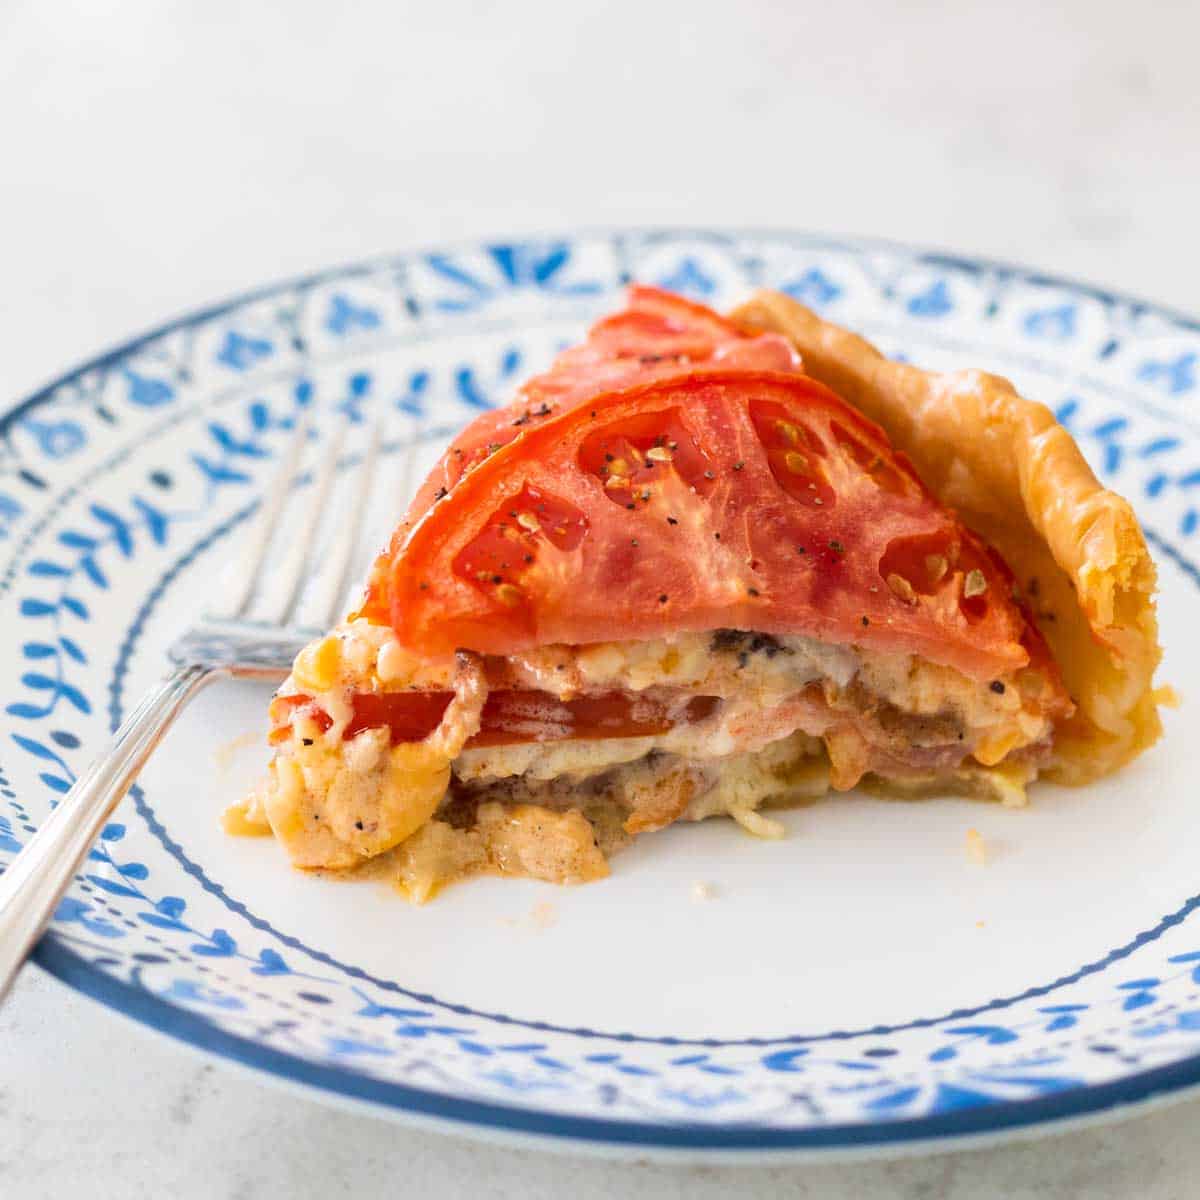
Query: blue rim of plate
{"x": 989, "y": 1119}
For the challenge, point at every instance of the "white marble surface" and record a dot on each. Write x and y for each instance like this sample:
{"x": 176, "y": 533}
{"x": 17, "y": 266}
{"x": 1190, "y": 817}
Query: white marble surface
{"x": 160, "y": 155}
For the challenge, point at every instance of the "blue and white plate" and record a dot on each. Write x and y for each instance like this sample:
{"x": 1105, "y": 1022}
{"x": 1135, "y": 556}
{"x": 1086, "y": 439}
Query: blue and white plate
{"x": 860, "y": 984}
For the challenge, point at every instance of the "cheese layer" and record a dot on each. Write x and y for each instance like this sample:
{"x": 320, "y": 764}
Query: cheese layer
{"x": 795, "y": 717}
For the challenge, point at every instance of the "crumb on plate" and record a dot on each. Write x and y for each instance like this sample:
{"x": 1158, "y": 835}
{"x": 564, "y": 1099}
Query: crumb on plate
{"x": 976, "y": 847}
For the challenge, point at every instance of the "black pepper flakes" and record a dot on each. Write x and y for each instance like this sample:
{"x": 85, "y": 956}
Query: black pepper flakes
{"x": 630, "y": 507}
{"x": 753, "y": 591}
{"x": 763, "y": 643}
{"x": 529, "y": 558}
{"x": 837, "y": 547}
{"x": 608, "y": 458}
{"x": 663, "y": 598}
{"x": 801, "y": 550}
{"x": 358, "y": 825}
{"x": 633, "y": 541}
{"x": 497, "y": 579}
{"x": 306, "y": 741}
{"x": 424, "y": 587}
{"x": 737, "y": 466}
{"x": 997, "y": 687}
{"x": 725, "y": 639}
{"x": 441, "y": 493}
{"x": 672, "y": 521}
{"x": 709, "y": 475}
{"x": 866, "y": 621}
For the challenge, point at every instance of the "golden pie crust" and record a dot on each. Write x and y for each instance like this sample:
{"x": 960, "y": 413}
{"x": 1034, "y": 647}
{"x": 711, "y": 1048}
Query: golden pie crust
{"x": 1016, "y": 476}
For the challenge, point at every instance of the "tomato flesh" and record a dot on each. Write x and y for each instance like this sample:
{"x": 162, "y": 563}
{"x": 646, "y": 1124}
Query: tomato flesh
{"x": 631, "y": 458}
{"x": 658, "y": 335}
{"x": 513, "y": 717}
{"x": 534, "y": 524}
{"x": 707, "y": 483}
{"x": 410, "y": 716}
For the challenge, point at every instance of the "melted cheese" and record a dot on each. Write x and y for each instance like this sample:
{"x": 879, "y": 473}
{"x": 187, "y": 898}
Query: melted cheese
{"x": 683, "y": 661}
{"x": 336, "y": 803}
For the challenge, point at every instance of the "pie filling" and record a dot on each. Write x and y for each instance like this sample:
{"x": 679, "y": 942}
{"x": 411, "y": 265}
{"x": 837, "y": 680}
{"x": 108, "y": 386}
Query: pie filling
{"x": 700, "y": 489}
{"x": 543, "y": 764}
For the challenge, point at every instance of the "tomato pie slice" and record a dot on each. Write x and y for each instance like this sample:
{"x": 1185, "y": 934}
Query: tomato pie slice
{"x": 687, "y": 573}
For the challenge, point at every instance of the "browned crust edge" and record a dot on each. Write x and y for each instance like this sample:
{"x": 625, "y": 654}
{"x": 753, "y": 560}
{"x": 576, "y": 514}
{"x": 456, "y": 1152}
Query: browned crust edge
{"x": 1013, "y": 473}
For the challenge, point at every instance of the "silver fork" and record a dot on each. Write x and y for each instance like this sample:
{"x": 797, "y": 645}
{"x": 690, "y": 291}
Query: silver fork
{"x": 245, "y": 634}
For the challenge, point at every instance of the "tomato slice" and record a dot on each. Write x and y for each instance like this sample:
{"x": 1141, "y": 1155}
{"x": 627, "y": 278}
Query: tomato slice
{"x": 771, "y": 505}
{"x": 659, "y": 334}
{"x": 410, "y": 716}
{"x": 512, "y": 717}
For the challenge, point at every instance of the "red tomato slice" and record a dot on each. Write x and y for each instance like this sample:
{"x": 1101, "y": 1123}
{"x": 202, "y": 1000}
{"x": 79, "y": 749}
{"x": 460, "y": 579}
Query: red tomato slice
{"x": 726, "y": 498}
{"x": 658, "y": 334}
{"x": 512, "y": 717}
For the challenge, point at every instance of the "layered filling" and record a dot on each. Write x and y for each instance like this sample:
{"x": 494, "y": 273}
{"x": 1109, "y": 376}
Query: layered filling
{"x": 544, "y": 763}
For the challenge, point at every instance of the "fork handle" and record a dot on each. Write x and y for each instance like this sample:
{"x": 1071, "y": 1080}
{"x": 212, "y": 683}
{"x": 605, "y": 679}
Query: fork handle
{"x": 34, "y": 883}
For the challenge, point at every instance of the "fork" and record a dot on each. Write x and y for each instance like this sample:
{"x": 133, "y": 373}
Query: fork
{"x": 247, "y": 635}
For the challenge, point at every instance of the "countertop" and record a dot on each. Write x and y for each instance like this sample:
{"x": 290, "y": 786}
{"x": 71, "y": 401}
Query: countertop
{"x": 158, "y": 156}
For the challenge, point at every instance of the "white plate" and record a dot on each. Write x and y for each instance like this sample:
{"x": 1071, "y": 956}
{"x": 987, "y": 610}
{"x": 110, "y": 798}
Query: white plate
{"x": 859, "y": 984}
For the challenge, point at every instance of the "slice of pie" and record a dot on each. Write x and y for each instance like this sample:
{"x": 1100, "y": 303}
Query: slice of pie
{"x": 708, "y": 566}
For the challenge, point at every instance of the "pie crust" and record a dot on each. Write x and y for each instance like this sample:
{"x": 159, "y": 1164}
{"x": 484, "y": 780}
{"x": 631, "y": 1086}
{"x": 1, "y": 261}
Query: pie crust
{"x": 1017, "y": 477}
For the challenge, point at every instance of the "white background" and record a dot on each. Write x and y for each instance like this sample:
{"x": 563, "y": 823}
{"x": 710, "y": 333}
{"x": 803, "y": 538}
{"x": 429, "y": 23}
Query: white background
{"x": 158, "y": 156}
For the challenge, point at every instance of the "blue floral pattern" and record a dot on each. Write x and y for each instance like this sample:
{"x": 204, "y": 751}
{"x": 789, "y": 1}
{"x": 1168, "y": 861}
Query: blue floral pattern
{"x": 80, "y": 535}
